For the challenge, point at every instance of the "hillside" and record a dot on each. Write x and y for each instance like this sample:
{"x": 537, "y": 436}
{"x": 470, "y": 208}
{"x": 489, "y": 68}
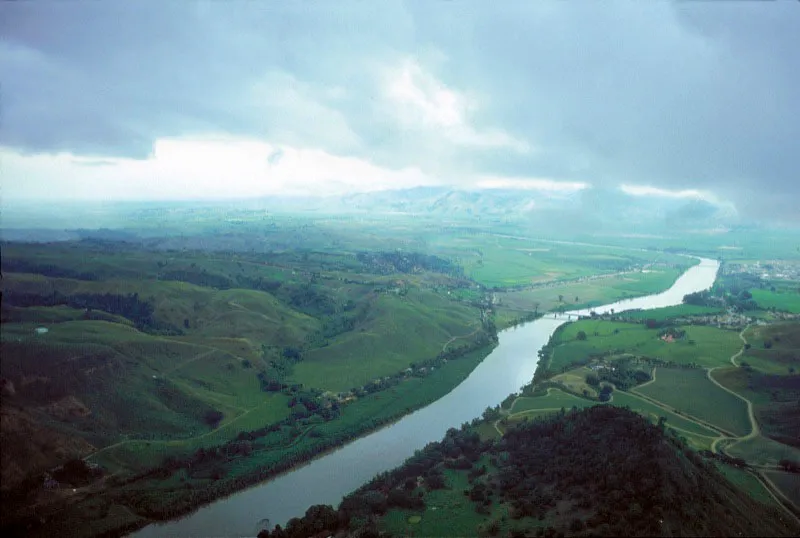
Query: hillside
{"x": 598, "y": 471}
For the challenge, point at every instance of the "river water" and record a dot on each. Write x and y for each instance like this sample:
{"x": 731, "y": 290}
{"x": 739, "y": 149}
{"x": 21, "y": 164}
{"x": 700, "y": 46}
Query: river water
{"x": 327, "y": 479}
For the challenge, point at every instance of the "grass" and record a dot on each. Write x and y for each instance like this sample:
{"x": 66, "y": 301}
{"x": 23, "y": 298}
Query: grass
{"x": 690, "y": 391}
{"x": 745, "y": 481}
{"x": 554, "y": 399}
{"x": 788, "y": 483}
{"x": 671, "y": 312}
{"x": 705, "y": 346}
{"x": 589, "y": 293}
{"x": 654, "y": 412}
{"x": 782, "y": 355}
{"x": 762, "y": 450}
{"x": 785, "y": 299}
{"x": 401, "y": 330}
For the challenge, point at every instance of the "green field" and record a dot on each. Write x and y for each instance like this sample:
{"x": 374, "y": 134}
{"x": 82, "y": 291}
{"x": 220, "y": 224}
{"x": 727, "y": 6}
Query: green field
{"x": 745, "y": 481}
{"x": 401, "y": 330}
{"x": 761, "y": 450}
{"x": 554, "y": 400}
{"x": 705, "y": 346}
{"x": 788, "y": 483}
{"x": 783, "y": 354}
{"x": 654, "y": 412}
{"x": 785, "y": 298}
{"x": 588, "y": 293}
{"x": 690, "y": 391}
{"x": 670, "y": 312}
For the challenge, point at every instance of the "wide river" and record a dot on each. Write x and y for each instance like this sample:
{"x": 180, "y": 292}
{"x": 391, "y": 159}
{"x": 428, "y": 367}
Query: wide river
{"x": 327, "y": 479}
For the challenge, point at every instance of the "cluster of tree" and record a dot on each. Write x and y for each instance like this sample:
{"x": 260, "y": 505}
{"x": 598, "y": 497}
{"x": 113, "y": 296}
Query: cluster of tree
{"x": 16, "y": 265}
{"x": 129, "y": 306}
{"x": 624, "y": 375}
{"x": 201, "y": 277}
{"x": 386, "y": 263}
{"x": 76, "y": 472}
{"x": 741, "y": 301}
{"x": 601, "y": 470}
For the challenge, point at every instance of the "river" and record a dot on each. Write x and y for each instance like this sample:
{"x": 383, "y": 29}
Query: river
{"x": 327, "y": 479}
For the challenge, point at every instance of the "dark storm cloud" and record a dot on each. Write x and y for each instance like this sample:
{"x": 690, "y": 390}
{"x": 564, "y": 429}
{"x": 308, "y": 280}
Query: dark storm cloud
{"x": 697, "y": 95}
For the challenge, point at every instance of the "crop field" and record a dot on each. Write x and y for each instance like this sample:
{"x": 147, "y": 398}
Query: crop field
{"x": 762, "y": 450}
{"x": 575, "y": 381}
{"x": 654, "y": 412}
{"x": 747, "y": 482}
{"x": 784, "y": 299}
{"x": 775, "y": 348}
{"x": 501, "y": 261}
{"x": 788, "y": 483}
{"x": 554, "y": 400}
{"x": 670, "y": 312}
{"x": 690, "y": 391}
{"x": 588, "y": 293}
{"x": 705, "y": 346}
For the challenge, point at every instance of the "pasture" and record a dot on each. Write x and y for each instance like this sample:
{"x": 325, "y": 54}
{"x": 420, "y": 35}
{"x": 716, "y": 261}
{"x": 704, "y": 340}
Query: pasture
{"x": 702, "y": 345}
{"x": 774, "y": 348}
{"x": 788, "y": 483}
{"x": 761, "y": 450}
{"x": 671, "y": 312}
{"x": 745, "y": 481}
{"x": 554, "y": 400}
{"x": 784, "y": 298}
{"x": 397, "y": 332}
{"x": 588, "y": 292}
{"x": 690, "y": 391}
{"x": 684, "y": 425}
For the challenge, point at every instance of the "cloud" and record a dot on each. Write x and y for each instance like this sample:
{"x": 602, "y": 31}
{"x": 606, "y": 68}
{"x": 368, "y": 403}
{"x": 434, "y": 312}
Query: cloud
{"x": 203, "y": 168}
{"x": 678, "y": 96}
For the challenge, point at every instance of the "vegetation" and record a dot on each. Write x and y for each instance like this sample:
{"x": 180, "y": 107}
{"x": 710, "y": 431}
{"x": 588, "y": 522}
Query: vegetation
{"x": 601, "y": 470}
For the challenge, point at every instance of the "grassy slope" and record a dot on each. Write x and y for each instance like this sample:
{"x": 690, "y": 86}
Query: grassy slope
{"x": 398, "y": 331}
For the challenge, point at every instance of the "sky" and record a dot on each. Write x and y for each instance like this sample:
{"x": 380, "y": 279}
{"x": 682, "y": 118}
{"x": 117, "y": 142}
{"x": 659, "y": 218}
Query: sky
{"x": 181, "y": 99}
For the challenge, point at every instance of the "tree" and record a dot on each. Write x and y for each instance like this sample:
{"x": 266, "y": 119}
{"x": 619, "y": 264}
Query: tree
{"x": 581, "y": 335}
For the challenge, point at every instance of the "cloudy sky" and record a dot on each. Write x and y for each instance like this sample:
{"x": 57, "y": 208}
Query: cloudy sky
{"x": 148, "y": 100}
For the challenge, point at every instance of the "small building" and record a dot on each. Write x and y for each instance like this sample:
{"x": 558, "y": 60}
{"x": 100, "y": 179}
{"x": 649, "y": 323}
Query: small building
{"x": 41, "y": 330}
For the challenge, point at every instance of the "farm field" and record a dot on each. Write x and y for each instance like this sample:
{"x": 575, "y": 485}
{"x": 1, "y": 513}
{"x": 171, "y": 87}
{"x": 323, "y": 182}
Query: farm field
{"x": 690, "y": 391}
{"x": 701, "y": 345}
{"x": 588, "y": 293}
{"x": 762, "y": 450}
{"x": 670, "y": 312}
{"x": 785, "y": 298}
{"x": 747, "y": 482}
{"x": 654, "y": 412}
{"x": 498, "y": 261}
{"x": 554, "y": 400}
{"x": 774, "y": 348}
{"x": 788, "y": 483}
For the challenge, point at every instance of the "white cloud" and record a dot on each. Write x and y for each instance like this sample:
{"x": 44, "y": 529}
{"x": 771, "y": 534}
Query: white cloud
{"x": 208, "y": 167}
{"x": 419, "y": 101}
{"x": 539, "y": 184}
{"x": 646, "y": 190}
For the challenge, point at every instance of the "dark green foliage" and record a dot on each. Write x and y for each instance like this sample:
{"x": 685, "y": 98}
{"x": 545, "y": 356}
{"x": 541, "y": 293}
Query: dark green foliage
{"x": 386, "y": 263}
{"x": 621, "y": 474}
{"x": 129, "y": 306}
{"x": 17, "y": 265}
